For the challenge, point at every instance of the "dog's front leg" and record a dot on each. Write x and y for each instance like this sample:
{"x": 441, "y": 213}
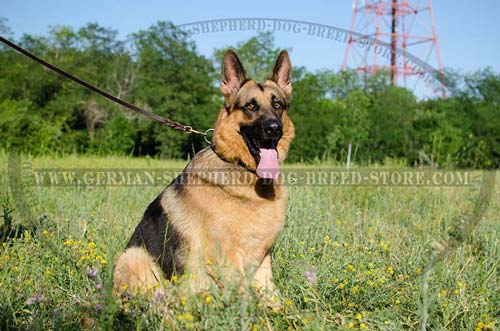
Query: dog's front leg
{"x": 263, "y": 281}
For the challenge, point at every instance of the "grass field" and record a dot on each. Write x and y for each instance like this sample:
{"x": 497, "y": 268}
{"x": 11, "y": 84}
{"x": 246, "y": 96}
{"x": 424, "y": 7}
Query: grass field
{"x": 348, "y": 258}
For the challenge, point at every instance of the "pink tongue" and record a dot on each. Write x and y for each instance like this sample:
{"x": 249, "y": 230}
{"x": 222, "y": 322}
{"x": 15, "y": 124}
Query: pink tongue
{"x": 268, "y": 166}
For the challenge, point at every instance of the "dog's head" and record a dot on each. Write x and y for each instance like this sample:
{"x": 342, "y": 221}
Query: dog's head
{"x": 254, "y": 128}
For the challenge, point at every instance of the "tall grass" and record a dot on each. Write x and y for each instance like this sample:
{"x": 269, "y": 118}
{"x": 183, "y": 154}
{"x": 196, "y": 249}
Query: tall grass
{"x": 348, "y": 258}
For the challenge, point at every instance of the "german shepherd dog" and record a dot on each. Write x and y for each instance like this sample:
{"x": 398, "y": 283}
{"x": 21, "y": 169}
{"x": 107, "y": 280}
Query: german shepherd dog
{"x": 200, "y": 220}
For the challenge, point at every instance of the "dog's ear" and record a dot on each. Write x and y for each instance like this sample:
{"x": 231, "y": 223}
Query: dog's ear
{"x": 281, "y": 73}
{"x": 233, "y": 74}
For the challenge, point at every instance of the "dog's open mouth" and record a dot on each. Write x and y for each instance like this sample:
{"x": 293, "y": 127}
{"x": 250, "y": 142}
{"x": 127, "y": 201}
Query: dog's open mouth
{"x": 265, "y": 154}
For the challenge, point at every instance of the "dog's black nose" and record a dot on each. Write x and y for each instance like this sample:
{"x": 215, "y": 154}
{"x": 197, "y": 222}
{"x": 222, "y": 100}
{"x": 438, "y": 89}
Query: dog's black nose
{"x": 273, "y": 128}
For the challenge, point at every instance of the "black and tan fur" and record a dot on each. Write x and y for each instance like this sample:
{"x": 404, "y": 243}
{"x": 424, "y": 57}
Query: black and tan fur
{"x": 200, "y": 220}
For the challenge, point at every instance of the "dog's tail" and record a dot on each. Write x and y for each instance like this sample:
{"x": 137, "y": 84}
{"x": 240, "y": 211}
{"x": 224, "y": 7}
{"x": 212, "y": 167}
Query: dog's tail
{"x": 136, "y": 271}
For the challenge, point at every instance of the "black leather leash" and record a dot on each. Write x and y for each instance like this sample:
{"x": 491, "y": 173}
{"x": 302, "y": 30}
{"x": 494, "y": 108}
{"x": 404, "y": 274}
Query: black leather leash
{"x": 166, "y": 121}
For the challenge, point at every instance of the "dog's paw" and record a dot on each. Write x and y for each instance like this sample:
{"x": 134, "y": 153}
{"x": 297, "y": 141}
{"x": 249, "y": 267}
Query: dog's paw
{"x": 269, "y": 298}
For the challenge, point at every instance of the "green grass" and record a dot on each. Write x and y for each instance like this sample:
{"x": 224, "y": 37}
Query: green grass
{"x": 368, "y": 247}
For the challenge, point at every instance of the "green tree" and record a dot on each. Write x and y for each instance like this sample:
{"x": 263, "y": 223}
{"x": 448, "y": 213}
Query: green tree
{"x": 161, "y": 70}
{"x": 257, "y": 54}
{"x": 176, "y": 82}
{"x": 23, "y": 130}
{"x": 351, "y": 125}
{"x": 313, "y": 111}
{"x": 391, "y": 114}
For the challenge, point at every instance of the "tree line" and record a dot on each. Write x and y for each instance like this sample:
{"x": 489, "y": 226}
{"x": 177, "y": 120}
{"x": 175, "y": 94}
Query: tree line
{"x": 160, "y": 69}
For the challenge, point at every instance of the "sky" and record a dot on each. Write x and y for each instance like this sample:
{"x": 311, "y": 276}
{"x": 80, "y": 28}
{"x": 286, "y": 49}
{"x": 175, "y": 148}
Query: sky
{"x": 467, "y": 31}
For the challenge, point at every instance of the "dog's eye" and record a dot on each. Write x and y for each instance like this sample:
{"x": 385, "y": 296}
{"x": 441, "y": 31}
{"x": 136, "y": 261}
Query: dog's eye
{"x": 250, "y": 106}
{"x": 276, "y": 103}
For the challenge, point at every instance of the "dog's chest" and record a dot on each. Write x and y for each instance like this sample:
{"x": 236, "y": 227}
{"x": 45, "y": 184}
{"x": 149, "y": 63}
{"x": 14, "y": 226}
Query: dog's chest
{"x": 246, "y": 226}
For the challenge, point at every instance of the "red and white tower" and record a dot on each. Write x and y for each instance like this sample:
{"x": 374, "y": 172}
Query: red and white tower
{"x": 398, "y": 36}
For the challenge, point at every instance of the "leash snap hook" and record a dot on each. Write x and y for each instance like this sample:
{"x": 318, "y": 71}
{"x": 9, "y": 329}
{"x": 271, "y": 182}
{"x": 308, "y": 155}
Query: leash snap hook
{"x": 205, "y": 135}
